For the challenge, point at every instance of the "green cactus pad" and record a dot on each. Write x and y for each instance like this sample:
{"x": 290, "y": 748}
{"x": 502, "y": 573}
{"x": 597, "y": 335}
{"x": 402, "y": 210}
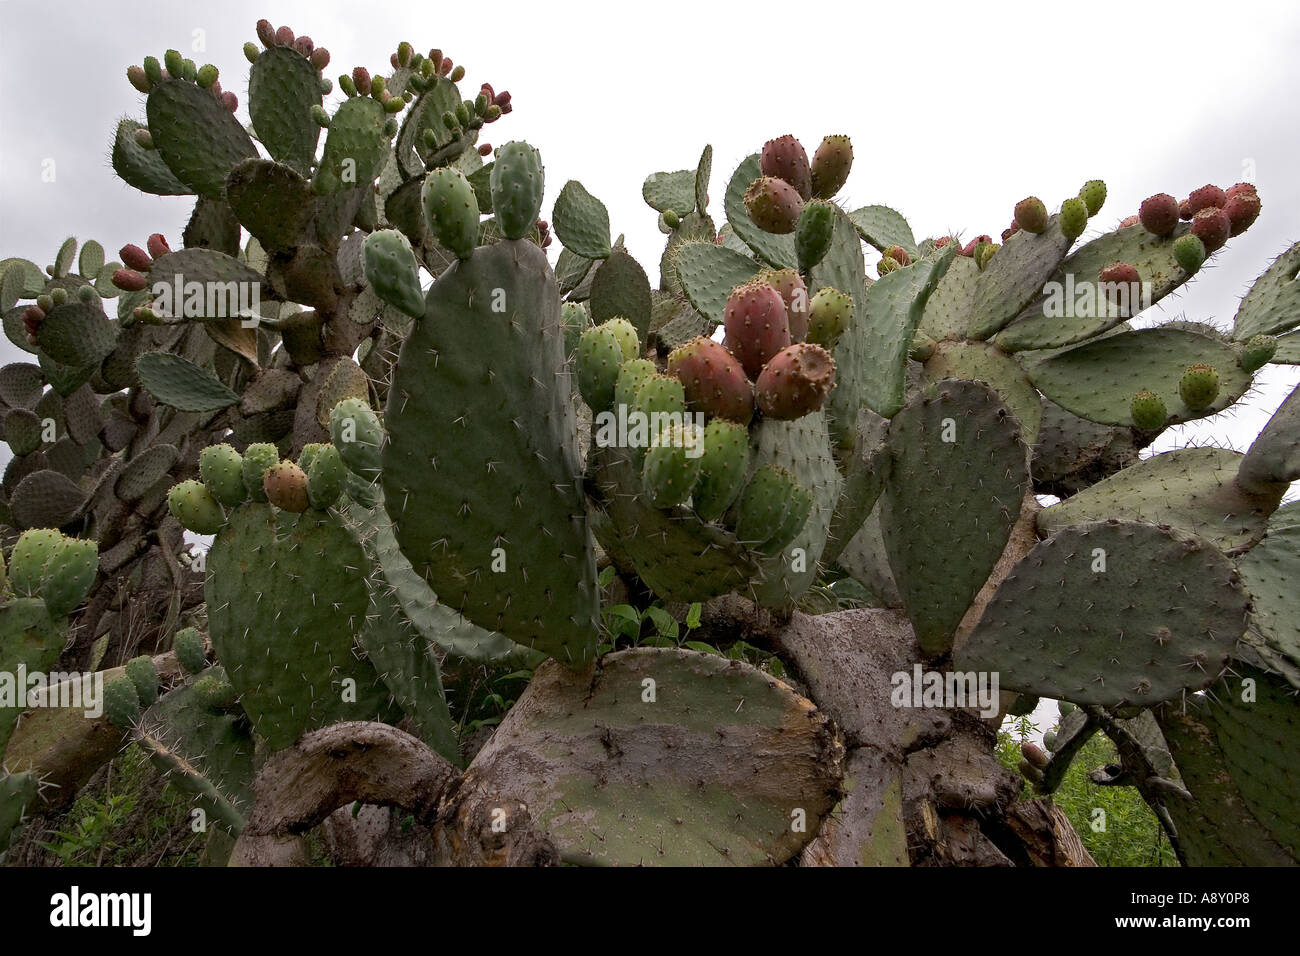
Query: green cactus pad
{"x": 1097, "y": 380}
{"x": 581, "y": 221}
{"x": 1193, "y": 489}
{"x": 218, "y": 278}
{"x": 1272, "y": 306}
{"x": 865, "y": 470}
{"x": 21, "y": 385}
{"x": 77, "y": 334}
{"x": 843, "y": 269}
{"x": 620, "y": 289}
{"x": 46, "y": 499}
{"x": 1269, "y": 572}
{"x": 22, "y": 431}
{"x": 141, "y": 672}
{"x": 518, "y": 180}
{"x": 883, "y": 227}
{"x": 198, "y": 138}
{"x": 663, "y": 192}
{"x": 1015, "y": 276}
{"x": 143, "y": 168}
{"x": 1274, "y": 458}
{"x": 392, "y": 271}
{"x": 599, "y": 764}
{"x": 504, "y": 454}
{"x": 178, "y": 382}
{"x": 947, "y": 313}
{"x": 775, "y": 250}
{"x": 410, "y": 149}
{"x": 1054, "y": 319}
{"x": 724, "y": 466}
{"x": 709, "y": 272}
{"x": 981, "y": 362}
{"x": 29, "y": 639}
{"x": 17, "y": 791}
{"x": 355, "y": 147}
{"x": 121, "y": 703}
{"x": 283, "y": 86}
{"x": 958, "y": 472}
{"x": 1162, "y": 618}
{"x": 273, "y": 201}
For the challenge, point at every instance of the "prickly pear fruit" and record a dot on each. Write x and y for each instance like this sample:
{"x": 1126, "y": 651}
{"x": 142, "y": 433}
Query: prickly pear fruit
{"x": 190, "y": 651}
{"x": 713, "y": 380}
{"x": 794, "y": 293}
{"x": 628, "y": 340}
{"x": 722, "y": 469}
{"x": 141, "y": 672}
{"x": 772, "y": 509}
{"x": 1159, "y": 214}
{"x": 215, "y": 691}
{"x": 326, "y": 475}
{"x": 773, "y": 204}
{"x": 358, "y": 434}
{"x": 1120, "y": 273}
{"x": 672, "y": 465}
{"x": 1031, "y": 215}
{"x": 1189, "y": 252}
{"x": 661, "y": 399}
{"x": 631, "y": 376}
{"x": 795, "y": 382}
{"x": 968, "y": 250}
{"x": 757, "y": 325}
{"x": 1242, "y": 207}
{"x": 222, "y": 471}
{"x": 1128, "y": 221}
{"x": 194, "y": 507}
{"x": 517, "y": 181}
{"x": 257, "y": 458}
{"x": 392, "y": 271}
{"x": 899, "y": 255}
{"x": 1149, "y": 412}
{"x": 1073, "y": 218}
{"x": 1208, "y": 196}
{"x": 451, "y": 210}
{"x": 600, "y": 355}
{"x": 1093, "y": 194}
{"x": 1212, "y": 226}
{"x": 813, "y": 233}
{"x": 829, "y": 314}
{"x": 1049, "y": 740}
{"x": 1258, "y": 351}
{"x": 784, "y": 158}
{"x": 1199, "y": 387}
{"x": 286, "y": 487}
{"x": 157, "y": 245}
{"x": 128, "y": 280}
{"x": 574, "y": 318}
{"x": 121, "y": 703}
{"x": 830, "y": 166}
{"x": 984, "y": 252}
{"x": 133, "y": 257}
{"x": 1033, "y": 753}
{"x": 308, "y": 455}
{"x": 886, "y": 265}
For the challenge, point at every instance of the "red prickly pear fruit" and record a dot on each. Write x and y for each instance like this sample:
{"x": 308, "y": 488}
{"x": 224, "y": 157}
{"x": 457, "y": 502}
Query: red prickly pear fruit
{"x": 942, "y": 241}
{"x": 502, "y": 100}
{"x": 138, "y": 78}
{"x": 394, "y": 62}
{"x": 1031, "y": 215}
{"x": 1129, "y": 221}
{"x": 1034, "y": 754}
{"x": 128, "y": 280}
{"x": 1119, "y": 272}
{"x": 773, "y": 204}
{"x": 485, "y": 149}
{"x": 830, "y": 166}
{"x": 1238, "y": 189}
{"x": 445, "y": 66}
{"x": 157, "y": 245}
{"x": 794, "y": 293}
{"x": 795, "y": 382}
{"x": 1185, "y": 210}
{"x": 285, "y": 485}
{"x": 1243, "y": 208}
{"x": 266, "y": 33}
{"x": 1212, "y": 226}
{"x": 486, "y": 90}
{"x": 1208, "y": 195}
{"x": 1159, "y": 214}
{"x": 715, "y": 383}
{"x": 320, "y": 57}
{"x": 361, "y": 80}
{"x": 284, "y": 37}
{"x": 899, "y": 255}
{"x": 757, "y": 325}
{"x": 304, "y": 45}
{"x": 968, "y": 250}
{"x": 784, "y": 158}
{"x": 1010, "y": 231}
{"x": 230, "y": 101}
{"x": 133, "y": 257}
{"x": 33, "y": 315}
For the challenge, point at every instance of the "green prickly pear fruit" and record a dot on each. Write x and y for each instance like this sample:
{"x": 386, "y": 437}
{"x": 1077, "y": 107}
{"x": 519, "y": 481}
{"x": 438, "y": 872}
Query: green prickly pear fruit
{"x": 662, "y": 400}
{"x": 286, "y": 487}
{"x": 796, "y": 382}
{"x": 1149, "y": 412}
{"x": 1189, "y": 253}
{"x": 922, "y": 347}
{"x": 451, "y": 210}
{"x": 1258, "y": 351}
{"x": 628, "y": 340}
{"x": 222, "y": 471}
{"x": 1031, "y": 215}
{"x": 784, "y": 158}
{"x": 517, "y": 181}
{"x": 631, "y": 376}
{"x": 319, "y": 116}
{"x": 1073, "y": 218}
{"x": 121, "y": 703}
{"x": 722, "y": 469}
{"x": 757, "y": 325}
{"x": 712, "y": 379}
{"x": 672, "y": 465}
{"x": 392, "y": 271}
{"x": 829, "y": 314}
{"x": 59, "y": 296}
{"x": 194, "y": 507}
{"x": 984, "y": 252}
{"x": 769, "y": 507}
{"x": 886, "y": 265}
{"x": 1212, "y": 226}
{"x": 1064, "y": 707}
{"x": 206, "y": 76}
{"x": 1049, "y": 740}
{"x": 773, "y": 204}
{"x": 794, "y": 293}
{"x": 326, "y": 476}
{"x": 215, "y": 692}
{"x": 669, "y": 220}
{"x": 830, "y": 166}
{"x": 574, "y": 318}
{"x": 1159, "y": 214}
{"x": 175, "y": 63}
{"x": 257, "y": 458}
{"x": 813, "y": 233}
{"x": 1199, "y": 386}
{"x": 1093, "y": 194}
{"x": 141, "y": 672}
{"x": 308, "y": 455}
{"x": 251, "y": 53}
{"x": 190, "y": 652}
{"x": 358, "y": 434}
{"x": 600, "y": 355}
{"x": 68, "y": 574}
{"x": 899, "y": 255}
{"x": 152, "y": 69}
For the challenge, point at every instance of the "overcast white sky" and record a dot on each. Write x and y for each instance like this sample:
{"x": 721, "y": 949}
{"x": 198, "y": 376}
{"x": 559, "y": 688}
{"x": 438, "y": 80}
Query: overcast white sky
{"x": 956, "y": 110}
